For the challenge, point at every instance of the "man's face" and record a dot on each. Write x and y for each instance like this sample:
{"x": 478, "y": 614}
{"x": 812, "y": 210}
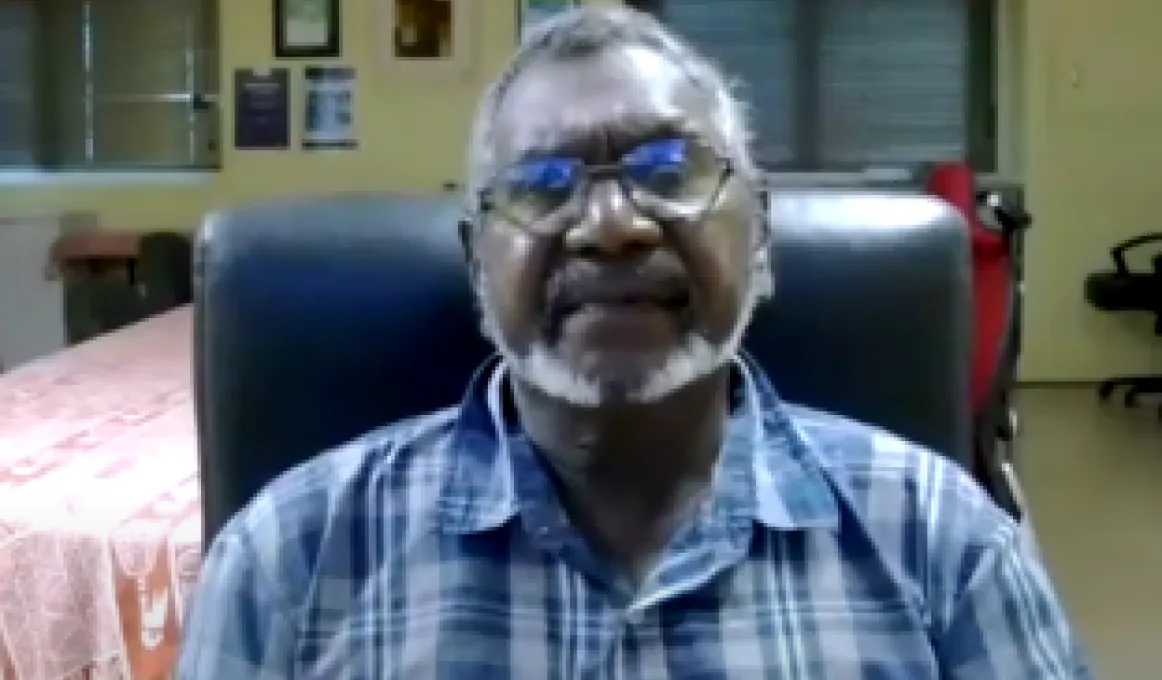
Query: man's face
{"x": 620, "y": 284}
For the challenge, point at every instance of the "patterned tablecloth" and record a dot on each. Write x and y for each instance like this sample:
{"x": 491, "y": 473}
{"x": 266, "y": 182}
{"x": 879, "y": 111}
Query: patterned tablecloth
{"x": 99, "y": 523}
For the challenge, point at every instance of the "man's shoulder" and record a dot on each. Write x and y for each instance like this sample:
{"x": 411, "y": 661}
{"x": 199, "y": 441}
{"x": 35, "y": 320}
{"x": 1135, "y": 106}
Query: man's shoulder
{"x": 388, "y": 450}
{"x": 924, "y": 513}
{"x": 394, "y": 469}
{"x": 870, "y": 468}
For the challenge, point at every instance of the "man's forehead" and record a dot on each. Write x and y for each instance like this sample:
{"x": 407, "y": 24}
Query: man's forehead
{"x": 581, "y": 133}
{"x": 624, "y": 94}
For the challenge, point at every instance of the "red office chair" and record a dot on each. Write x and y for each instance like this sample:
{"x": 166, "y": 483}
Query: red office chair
{"x": 996, "y": 235}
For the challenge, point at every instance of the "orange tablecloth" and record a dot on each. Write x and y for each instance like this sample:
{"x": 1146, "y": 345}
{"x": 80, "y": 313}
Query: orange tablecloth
{"x": 99, "y": 519}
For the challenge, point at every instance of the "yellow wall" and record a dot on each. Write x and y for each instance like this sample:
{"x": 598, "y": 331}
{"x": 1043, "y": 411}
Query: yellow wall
{"x": 1083, "y": 119}
{"x": 1093, "y": 169}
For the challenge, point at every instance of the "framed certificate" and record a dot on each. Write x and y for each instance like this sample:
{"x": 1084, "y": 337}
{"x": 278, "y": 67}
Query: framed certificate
{"x": 428, "y": 37}
{"x": 306, "y": 28}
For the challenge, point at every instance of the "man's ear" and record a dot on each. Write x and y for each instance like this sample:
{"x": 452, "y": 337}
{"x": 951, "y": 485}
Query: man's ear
{"x": 764, "y": 276}
{"x": 761, "y": 263}
{"x": 763, "y": 218}
{"x": 466, "y": 227}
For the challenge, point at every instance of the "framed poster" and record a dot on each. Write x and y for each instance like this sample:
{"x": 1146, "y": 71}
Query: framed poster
{"x": 428, "y": 37}
{"x": 329, "y": 121}
{"x": 307, "y": 28}
{"x": 261, "y": 109}
{"x": 531, "y": 12}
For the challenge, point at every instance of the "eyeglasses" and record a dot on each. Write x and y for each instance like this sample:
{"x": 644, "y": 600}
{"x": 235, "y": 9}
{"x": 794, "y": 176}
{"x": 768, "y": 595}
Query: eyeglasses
{"x": 671, "y": 180}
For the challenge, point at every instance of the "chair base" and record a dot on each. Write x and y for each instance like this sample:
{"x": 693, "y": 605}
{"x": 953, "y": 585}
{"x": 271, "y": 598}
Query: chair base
{"x": 1134, "y": 386}
{"x": 1113, "y": 291}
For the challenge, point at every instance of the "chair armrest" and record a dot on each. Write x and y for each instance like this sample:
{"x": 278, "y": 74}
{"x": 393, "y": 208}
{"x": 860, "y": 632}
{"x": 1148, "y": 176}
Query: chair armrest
{"x": 1010, "y": 218}
{"x": 1118, "y": 252}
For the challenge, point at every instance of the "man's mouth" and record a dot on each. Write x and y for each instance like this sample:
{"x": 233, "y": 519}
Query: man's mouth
{"x": 676, "y": 301}
{"x": 613, "y": 304}
{"x": 626, "y": 319}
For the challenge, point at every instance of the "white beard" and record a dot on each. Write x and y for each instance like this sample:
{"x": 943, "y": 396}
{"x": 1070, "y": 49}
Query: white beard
{"x": 696, "y": 358}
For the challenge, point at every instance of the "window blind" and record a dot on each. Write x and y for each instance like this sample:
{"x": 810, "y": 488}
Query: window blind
{"x": 17, "y": 84}
{"x": 64, "y": 84}
{"x": 753, "y": 42}
{"x": 841, "y": 84}
{"x": 148, "y": 64}
{"x": 893, "y": 81}
{"x": 124, "y": 82}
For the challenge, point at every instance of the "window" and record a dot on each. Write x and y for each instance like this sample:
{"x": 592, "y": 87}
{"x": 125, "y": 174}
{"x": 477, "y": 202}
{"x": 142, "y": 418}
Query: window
{"x": 842, "y": 85}
{"x": 108, "y": 84}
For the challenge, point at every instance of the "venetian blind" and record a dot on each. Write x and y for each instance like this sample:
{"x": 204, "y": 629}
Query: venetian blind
{"x": 893, "y": 81}
{"x": 841, "y": 84}
{"x": 17, "y": 84}
{"x": 130, "y": 78}
{"x": 753, "y": 41}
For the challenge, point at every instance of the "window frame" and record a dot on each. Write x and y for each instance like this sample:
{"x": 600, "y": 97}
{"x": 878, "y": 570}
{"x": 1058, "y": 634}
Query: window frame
{"x": 48, "y": 161}
{"x": 984, "y": 101}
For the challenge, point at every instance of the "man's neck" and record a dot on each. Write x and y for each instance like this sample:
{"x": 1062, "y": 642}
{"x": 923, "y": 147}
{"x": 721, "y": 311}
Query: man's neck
{"x": 629, "y": 473}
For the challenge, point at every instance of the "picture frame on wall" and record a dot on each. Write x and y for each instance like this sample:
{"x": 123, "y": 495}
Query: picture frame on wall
{"x": 531, "y": 12}
{"x": 329, "y": 118}
{"x": 428, "y": 38}
{"x": 307, "y": 29}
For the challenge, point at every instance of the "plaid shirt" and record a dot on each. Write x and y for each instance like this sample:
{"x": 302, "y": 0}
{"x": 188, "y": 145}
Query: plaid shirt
{"x": 437, "y": 549}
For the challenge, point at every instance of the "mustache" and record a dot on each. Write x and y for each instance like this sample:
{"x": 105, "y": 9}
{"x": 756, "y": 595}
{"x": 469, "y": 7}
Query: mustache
{"x": 659, "y": 280}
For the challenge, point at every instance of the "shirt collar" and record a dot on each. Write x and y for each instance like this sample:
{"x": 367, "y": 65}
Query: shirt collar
{"x": 768, "y": 472}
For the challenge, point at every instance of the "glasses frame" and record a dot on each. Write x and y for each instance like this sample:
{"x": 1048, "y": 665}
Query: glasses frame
{"x": 566, "y": 213}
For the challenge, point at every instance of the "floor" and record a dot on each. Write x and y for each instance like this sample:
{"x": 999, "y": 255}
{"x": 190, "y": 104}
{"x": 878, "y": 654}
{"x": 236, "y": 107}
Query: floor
{"x": 1093, "y": 478}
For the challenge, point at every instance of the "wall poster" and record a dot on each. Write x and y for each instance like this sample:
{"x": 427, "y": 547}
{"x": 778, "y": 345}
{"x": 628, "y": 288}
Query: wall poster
{"x": 329, "y": 122}
{"x": 261, "y": 108}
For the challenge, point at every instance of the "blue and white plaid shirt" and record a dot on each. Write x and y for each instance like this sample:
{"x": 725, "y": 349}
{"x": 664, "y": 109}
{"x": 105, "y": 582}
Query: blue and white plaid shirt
{"x": 436, "y": 549}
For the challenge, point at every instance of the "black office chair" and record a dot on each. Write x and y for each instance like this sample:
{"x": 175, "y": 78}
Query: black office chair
{"x": 320, "y": 319}
{"x": 1123, "y": 289}
{"x": 164, "y": 274}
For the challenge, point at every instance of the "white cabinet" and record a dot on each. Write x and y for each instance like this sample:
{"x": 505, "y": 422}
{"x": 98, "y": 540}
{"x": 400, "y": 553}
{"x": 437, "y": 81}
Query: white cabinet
{"x": 32, "y": 320}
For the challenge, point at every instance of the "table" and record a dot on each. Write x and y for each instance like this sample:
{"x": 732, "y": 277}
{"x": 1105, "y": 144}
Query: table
{"x": 100, "y": 529}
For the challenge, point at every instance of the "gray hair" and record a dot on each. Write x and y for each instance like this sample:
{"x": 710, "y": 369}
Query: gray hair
{"x": 591, "y": 29}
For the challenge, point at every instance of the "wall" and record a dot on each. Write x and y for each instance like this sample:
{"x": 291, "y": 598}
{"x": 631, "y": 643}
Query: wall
{"x": 1082, "y": 102}
{"x": 1094, "y": 176}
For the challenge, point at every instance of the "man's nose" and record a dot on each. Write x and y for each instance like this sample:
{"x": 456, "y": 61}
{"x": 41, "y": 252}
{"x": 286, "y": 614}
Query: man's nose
{"x": 610, "y": 225}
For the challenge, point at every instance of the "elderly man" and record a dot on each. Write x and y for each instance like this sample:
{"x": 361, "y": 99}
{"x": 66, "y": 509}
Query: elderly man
{"x": 621, "y": 494}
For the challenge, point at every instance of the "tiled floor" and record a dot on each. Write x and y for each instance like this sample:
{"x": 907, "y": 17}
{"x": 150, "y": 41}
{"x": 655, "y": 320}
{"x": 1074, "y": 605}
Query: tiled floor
{"x": 1093, "y": 477}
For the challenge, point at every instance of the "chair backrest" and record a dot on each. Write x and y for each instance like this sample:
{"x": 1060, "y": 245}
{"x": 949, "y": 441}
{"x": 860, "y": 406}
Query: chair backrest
{"x": 164, "y": 271}
{"x": 318, "y": 319}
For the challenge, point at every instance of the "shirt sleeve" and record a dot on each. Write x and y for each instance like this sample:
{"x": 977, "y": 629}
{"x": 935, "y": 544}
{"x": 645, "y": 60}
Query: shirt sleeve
{"x": 237, "y": 626}
{"x": 1008, "y": 623}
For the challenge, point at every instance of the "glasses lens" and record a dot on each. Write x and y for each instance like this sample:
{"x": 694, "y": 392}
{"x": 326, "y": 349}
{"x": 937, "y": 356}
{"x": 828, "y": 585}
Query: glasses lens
{"x": 534, "y": 189}
{"x": 676, "y": 177}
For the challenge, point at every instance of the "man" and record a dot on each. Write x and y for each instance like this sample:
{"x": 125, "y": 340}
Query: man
{"x": 622, "y": 494}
